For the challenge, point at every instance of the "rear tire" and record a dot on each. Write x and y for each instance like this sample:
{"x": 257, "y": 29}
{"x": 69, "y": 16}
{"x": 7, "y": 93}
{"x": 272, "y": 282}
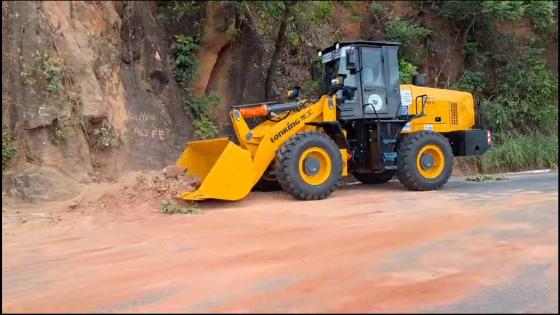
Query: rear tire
{"x": 374, "y": 178}
{"x": 425, "y": 161}
{"x": 309, "y": 166}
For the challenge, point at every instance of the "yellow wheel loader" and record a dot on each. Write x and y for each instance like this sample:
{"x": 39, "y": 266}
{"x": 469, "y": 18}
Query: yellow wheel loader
{"x": 366, "y": 124}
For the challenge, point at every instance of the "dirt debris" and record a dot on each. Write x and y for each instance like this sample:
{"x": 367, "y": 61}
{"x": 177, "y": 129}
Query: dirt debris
{"x": 171, "y": 182}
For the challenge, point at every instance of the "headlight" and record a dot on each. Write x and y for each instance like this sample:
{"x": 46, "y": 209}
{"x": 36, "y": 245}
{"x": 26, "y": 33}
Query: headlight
{"x": 337, "y": 46}
{"x": 319, "y": 53}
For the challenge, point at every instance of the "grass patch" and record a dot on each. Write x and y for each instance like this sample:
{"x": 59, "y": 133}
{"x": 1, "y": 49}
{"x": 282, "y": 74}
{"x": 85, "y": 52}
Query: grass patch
{"x": 169, "y": 207}
{"x": 8, "y": 151}
{"x": 520, "y": 152}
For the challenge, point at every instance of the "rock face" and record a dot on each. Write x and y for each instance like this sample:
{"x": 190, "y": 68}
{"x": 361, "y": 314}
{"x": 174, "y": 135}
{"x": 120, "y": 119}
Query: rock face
{"x": 44, "y": 184}
{"x": 117, "y": 106}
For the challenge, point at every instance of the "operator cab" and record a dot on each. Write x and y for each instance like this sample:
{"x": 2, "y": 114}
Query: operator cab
{"x": 371, "y": 78}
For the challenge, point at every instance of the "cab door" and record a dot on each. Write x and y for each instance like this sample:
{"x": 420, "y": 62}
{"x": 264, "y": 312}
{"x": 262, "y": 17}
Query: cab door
{"x": 372, "y": 76}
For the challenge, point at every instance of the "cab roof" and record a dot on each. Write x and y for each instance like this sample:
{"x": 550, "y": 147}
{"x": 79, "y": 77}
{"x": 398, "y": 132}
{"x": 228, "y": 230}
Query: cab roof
{"x": 361, "y": 43}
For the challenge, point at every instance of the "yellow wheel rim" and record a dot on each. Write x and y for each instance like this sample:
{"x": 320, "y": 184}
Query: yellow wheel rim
{"x": 430, "y": 161}
{"x": 315, "y": 166}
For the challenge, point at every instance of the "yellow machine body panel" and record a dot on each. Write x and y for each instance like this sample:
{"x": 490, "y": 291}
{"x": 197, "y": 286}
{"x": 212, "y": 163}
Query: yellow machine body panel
{"x": 445, "y": 110}
{"x": 229, "y": 171}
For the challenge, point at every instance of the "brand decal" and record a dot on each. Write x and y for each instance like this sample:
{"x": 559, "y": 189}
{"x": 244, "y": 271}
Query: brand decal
{"x": 291, "y": 125}
{"x": 376, "y": 101}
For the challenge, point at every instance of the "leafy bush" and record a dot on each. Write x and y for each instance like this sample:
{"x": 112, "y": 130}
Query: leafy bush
{"x": 321, "y": 11}
{"x": 405, "y": 32}
{"x": 49, "y": 67}
{"x": 312, "y": 86}
{"x": 409, "y": 35}
{"x": 185, "y": 64}
{"x": 107, "y": 137}
{"x": 186, "y": 70}
{"x": 526, "y": 92}
{"x": 475, "y": 55}
{"x": 470, "y": 81}
{"x": 487, "y": 13}
{"x": 406, "y": 71}
{"x": 199, "y": 108}
{"x": 180, "y": 9}
{"x": 8, "y": 151}
{"x": 541, "y": 12}
{"x": 205, "y": 128}
{"x": 378, "y": 9}
{"x": 516, "y": 152}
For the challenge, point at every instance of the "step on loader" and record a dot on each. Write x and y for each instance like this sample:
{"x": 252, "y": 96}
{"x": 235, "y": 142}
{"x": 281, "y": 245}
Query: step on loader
{"x": 366, "y": 124}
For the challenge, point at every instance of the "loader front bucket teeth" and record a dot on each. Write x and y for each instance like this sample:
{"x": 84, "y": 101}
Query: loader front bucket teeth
{"x": 224, "y": 169}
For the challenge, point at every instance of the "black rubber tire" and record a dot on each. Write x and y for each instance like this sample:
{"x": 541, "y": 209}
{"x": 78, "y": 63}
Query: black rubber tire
{"x": 408, "y": 150}
{"x": 287, "y": 166}
{"x": 374, "y": 178}
{"x": 267, "y": 185}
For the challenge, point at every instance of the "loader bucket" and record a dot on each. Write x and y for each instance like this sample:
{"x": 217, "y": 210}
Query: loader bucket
{"x": 224, "y": 169}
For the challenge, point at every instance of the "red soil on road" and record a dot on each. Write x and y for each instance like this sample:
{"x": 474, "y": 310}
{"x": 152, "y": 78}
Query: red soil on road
{"x": 365, "y": 249}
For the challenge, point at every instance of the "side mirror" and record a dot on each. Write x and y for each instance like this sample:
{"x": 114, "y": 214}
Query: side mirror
{"x": 351, "y": 60}
{"x": 339, "y": 80}
{"x": 293, "y": 93}
{"x": 337, "y": 83}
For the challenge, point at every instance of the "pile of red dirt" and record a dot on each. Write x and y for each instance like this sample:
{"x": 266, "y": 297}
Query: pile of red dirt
{"x": 168, "y": 184}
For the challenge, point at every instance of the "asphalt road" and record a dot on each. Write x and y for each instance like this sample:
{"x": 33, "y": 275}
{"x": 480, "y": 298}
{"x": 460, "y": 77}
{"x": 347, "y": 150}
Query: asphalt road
{"x": 471, "y": 247}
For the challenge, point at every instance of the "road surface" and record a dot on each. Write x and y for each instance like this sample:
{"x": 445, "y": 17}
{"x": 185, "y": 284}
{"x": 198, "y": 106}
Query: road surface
{"x": 471, "y": 247}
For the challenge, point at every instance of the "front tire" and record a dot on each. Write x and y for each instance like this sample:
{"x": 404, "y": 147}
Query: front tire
{"x": 425, "y": 161}
{"x": 309, "y": 166}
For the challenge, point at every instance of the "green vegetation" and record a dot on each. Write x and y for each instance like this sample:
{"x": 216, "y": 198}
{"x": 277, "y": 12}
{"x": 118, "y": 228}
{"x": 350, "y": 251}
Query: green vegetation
{"x": 321, "y": 11}
{"x": 515, "y": 90}
{"x": 378, "y": 9}
{"x": 355, "y": 18}
{"x": 520, "y": 152}
{"x": 348, "y": 4}
{"x": 185, "y": 68}
{"x": 107, "y": 137}
{"x": 205, "y": 128}
{"x": 410, "y": 35}
{"x": 169, "y": 207}
{"x": 176, "y": 10}
{"x": 199, "y": 107}
{"x": 472, "y": 81}
{"x": 49, "y": 67}
{"x": 406, "y": 71}
{"x": 61, "y": 134}
{"x": 185, "y": 64}
{"x": 526, "y": 93}
{"x": 8, "y": 150}
{"x": 489, "y": 11}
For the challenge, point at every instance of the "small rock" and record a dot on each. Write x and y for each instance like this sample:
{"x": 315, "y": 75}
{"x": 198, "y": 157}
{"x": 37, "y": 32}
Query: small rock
{"x": 74, "y": 205}
{"x": 173, "y": 171}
